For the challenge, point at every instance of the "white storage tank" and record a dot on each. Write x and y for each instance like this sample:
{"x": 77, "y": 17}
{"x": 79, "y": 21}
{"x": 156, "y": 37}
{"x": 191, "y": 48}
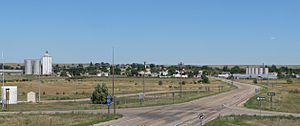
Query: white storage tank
{"x": 266, "y": 71}
{"x": 36, "y": 67}
{"x": 13, "y": 94}
{"x": 261, "y": 71}
{"x": 28, "y": 67}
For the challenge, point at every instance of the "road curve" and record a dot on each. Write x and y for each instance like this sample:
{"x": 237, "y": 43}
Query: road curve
{"x": 185, "y": 114}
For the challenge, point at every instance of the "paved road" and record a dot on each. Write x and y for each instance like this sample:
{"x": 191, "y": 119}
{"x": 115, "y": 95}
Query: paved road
{"x": 186, "y": 114}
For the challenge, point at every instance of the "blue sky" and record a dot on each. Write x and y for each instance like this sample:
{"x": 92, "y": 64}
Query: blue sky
{"x": 156, "y": 31}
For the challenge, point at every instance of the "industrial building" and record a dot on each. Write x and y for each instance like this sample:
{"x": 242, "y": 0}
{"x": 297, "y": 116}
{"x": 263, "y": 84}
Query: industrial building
{"x": 32, "y": 66}
{"x": 37, "y": 66}
{"x": 251, "y": 72}
{"x": 47, "y": 64}
{"x": 11, "y": 72}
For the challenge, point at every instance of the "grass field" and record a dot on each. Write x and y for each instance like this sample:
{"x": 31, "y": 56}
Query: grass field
{"x": 134, "y": 101}
{"x": 287, "y": 98}
{"x": 255, "y": 121}
{"x": 70, "y": 119}
{"x": 53, "y": 88}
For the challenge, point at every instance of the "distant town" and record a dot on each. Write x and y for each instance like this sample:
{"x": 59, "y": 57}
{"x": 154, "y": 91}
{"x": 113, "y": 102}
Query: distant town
{"x": 45, "y": 66}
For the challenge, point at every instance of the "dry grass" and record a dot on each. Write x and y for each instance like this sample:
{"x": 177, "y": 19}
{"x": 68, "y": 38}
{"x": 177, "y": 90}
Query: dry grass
{"x": 72, "y": 119}
{"x": 287, "y": 97}
{"x": 60, "y": 88}
{"x": 244, "y": 120}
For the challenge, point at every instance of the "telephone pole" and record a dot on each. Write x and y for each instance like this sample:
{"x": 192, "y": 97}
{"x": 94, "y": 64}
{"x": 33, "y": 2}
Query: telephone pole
{"x": 113, "y": 80}
{"x": 2, "y": 69}
{"x": 180, "y": 76}
{"x": 144, "y": 78}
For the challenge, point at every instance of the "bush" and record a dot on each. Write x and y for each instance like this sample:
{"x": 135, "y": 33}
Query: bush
{"x": 99, "y": 94}
{"x": 294, "y": 91}
{"x": 205, "y": 79}
{"x": 183, "y": 82}
{"x": 289, "y": 81}
{"x": 255, "y": 81}
{"x": 160, "y": 83}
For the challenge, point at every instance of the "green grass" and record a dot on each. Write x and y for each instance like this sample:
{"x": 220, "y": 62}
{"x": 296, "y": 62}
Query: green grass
{"x": 244, "y": 120}
{"x": 66, "y": 119}
{"x": 287, "y": 98}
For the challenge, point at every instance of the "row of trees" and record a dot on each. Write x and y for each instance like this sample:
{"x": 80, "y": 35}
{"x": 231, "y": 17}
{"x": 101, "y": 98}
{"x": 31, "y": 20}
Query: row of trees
{"x": 134, "y": 68}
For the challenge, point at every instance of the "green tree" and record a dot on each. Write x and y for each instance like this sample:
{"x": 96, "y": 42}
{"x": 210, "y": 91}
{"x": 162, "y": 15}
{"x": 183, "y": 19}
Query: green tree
{"x": 205, "y": 79}
{"x": 289, "y": 81}
{"x": 160, "y": 83}
{"x": 99, "y": 94}
{"x": 255, "y": 81}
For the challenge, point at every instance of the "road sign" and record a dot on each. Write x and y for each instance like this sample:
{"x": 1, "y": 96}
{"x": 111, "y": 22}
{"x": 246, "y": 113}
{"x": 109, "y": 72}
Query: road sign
{"x": 141, "y": 96}
{"x": 260, "y": 98}
{"x": 201, "y": 116}
{"x": 271, "y": 93}
{"x": 108, "y": 101}
{"x": 256, "y": 90}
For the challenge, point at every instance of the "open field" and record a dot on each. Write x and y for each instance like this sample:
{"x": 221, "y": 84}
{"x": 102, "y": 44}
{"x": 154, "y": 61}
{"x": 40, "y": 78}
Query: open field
{"x": 287, "y": 98}
{"x": 191, "y": 92}
{"x": 255, "y": 121}
{"x": 70, "y": 119}
{"x": 53, "y": 88}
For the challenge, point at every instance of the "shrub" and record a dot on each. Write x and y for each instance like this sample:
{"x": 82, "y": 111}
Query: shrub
{"x": 99, "y": 94}
{"x": 160, "y": 83}
{"x": 255, "y": 81}
{"x": 289, "y": 81}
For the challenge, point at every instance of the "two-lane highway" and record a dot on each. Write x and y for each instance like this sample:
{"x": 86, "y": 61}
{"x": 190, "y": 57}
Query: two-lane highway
{"x": 185, "y": 113}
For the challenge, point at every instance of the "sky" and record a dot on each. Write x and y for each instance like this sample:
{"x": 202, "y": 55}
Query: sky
{"x": 156, "y": 31}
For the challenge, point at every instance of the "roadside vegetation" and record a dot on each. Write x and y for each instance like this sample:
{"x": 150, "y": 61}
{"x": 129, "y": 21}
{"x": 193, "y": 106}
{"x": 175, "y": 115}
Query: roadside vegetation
{"x": 194, "y": 91}
{"x": 66, "y": 119}
{"x": 244, "y": 120}
{"x": 286, "y": 99}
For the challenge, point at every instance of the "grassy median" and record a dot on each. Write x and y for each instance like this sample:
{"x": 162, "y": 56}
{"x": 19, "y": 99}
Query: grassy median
{"x": 244, "y": 120}
{"x": 287, "y": 98}
{"x": 70, "y": 119}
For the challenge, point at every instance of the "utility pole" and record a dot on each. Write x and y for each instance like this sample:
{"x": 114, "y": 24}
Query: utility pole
{"x": 144, "y": 78}
{"x": 40, "y": 81}
{"x": 113, "y": 80}
{"x": 3, "y": 101}
{"x": 180, "y": 81}
{"x": 2, "y": 69}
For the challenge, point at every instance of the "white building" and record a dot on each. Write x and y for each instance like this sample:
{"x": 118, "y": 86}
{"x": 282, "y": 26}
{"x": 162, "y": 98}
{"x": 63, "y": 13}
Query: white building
{"x": 46, "y": 64}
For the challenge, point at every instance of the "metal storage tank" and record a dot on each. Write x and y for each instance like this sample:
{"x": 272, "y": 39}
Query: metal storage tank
{"x": 13, "y": 94}
{"x": 266, "y": 71}
{"x": 36, "y": 67}
{"x": 256, "y": 71}
{"x": 261, "y": 71}
{"x": 252, "y": 71}
{"x": 247, "y": 71}
{"x": 28, "y": 67}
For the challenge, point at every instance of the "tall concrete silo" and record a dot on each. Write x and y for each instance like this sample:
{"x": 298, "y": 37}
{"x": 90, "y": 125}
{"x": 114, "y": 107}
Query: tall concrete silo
{"x": 28, "y": 67}
{"x": 252, "y": 71}
{"x": 36, "y": 67}
{"x": 256, "y": 71}
{"x": 266, "y": 71}
{"x": 261, "y": 71}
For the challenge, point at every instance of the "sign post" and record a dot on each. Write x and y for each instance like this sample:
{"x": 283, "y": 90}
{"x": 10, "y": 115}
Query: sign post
{"x": 271, "y": 94}
{"x": 141, "y": 97}
{"x": 201, "y": 117}
{"x": 108, "y": 101}
{"x": 173, "y": 95}
{"x": 260, "y": 99}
